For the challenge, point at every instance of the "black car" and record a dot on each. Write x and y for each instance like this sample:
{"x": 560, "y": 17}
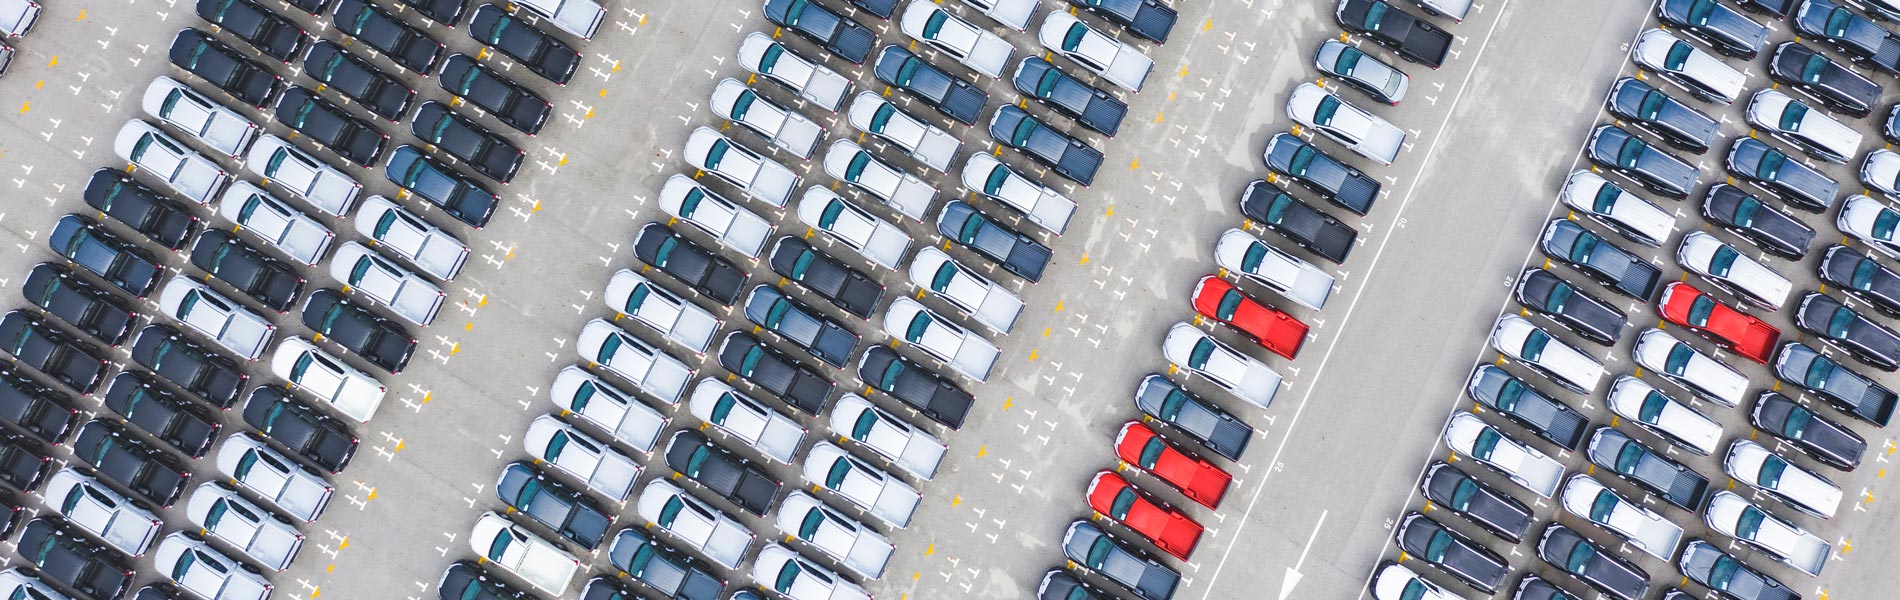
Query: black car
{"x": 1852, "y": 392}
{"x": 882, "y": 9}
{"x": 144, "y": 209}
{"x": 184, "y": 425}
{"x": 314, "y": 7}
{"x": 1863, "y": 41}
{"x": 825, "y": 339}
{"x": 224, "y": 67}
{"x": 441, "y": 186}
{"x": 1015, "y": 252}
{"x": 499, "y": 96}
{"x": 1677, "y": 484}
{"x": 123, "y": 459}
{"x": 1167, "y": 402}
{"x": 1414, "y": 39}
{"x": 1486, "y": 506}
{"x": 1067, "y": 156}
{"x": 24, "y": 463}
{"x": 569, "y": 513}
{"x": 1725, "y": 29}
{"x": 91, "y": 310}
{"x": 317, "y": 437}
{"x": 1088, "y": 105}
{"x": 1678, "y": 124}
{"x": 330, "y": 127}
{"x": 121, "y": 263}
{"x": 1293, "y": 158}
{"x": 1618, "y": 150}
{"x": 838, "y": 34}
{"x": 264, "y": 278}
{"x": 1453, "y": 553}
{"x": 275, "y": 36}
{"x": 844, "y": 286}
{"x": 1818, "y": 76}
{"x": 485, "y": 151}
{"x": 1058, "y": 584}
{"x": 1310, "y": 228}
{"x": 1708, "y": 565}
{"x": 377, "y": 339}
{"x": 77, "y": 365}
{"x": 1830, "y": 443}
{"x": 797, "y": 384}
{"x": 1596, "y": 566}
{"x": 540, "y": 52}
{"x": 1516, "y": 400}
{"x": 36, "y": 408}
{"x": 700, "y": 269}
{"x": 1861, "y": 277}
{"x": 376, "y": 28}
{"x": 1775, "y": 231}
{"x": 446, "y": 12}
{"x": 1614, "y": 267}
{"x": 1148, "y": 19}
{"x": 466, "y": 580}
{"x": 379, "y": 92}
{"x": 690, "y": 454}
{"x": 917, "y": 387}
{"x": 1845, "y": 328}
{"x": 198, "y": 370}
{"x": 12, "y": 513}
{"x": 68, "y": 557}
{"x": 641, "y": 557}
{"x": 955, "y": 97}
{"x": 1545, "y": 293}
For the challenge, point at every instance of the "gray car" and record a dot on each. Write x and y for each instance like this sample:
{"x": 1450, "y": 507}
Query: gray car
{"x": 1362, "y": 71}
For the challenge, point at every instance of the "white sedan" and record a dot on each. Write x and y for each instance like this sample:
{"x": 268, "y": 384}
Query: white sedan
{"x": 1662, "y": 415}
{"x": 601, "y": 467}
{"x": 911, "y": 449}
{"x": 352, "y": 392}
{"x": 1535, "y": 348}
{"x": 770, "y": 432}
{"x": 183, "y": 108}
{"x": 577, "y": 392}
{"x": 102, "y": 511}
{"x": 1469, "y": 435}
{"x": 1362, "y": 132}
{"x": 1592, "y": 501}
{"x": 875, "y": 115}
{"x": 758, "y": 176}
{"x": 847, "y": 162}
{"x": 787, "y": 129}
{"x": 1881, "y": 171}
{"x": 876, "y": 239}
{"x": 289, "y": 485}
{"x": 811, "y": 81}
{"x": 974, "y": 294}
{"x": 311, "y": 180}
{"x": 287, "y": 229}
{"x": 184, "y": 170}
{"x": 1043, "y": 206}
{"x": 1115, "y": 61}
{"x": 1604, "y": 202}
{"x": 222, "y": 513}
{"x": 782, "y": 570}
{"x": 1871, "y": 222}
{"x": 865, "y": 486}
{"x": 700, "y": 527}
{"x": 407, "y": 294}
{"x": 206, "y": 572}
{"x": 735, "y": 227}
{"x": 980, "y": 50}
{"x": 1284, "y": 273}
{"x": 1800, "y": 489}
{"x": 1199, "y": 353}
{"x": 430, "y": 248}
{"x": 673, "y": 317}
{"x": 649, "y": 369}
{"x": 1738, "y": 518}
{"x": 228, "y": 323}
{"x": 844, "y": 539}
{"x": 1682, "y": 364}
{"x": 1729, "y": 269}
{"x": 961, "y": 349}
{"x": 535, "y": 560}
{"x": 1013, "y": 14}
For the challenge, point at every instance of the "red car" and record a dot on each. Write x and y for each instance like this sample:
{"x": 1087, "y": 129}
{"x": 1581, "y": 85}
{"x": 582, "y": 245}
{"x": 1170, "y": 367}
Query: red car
{"x": 1731, "y": 329}
{"x": 1276, "y": 331}
{"x": 1193, "y": 476}
{"x": 1172, "y": 531}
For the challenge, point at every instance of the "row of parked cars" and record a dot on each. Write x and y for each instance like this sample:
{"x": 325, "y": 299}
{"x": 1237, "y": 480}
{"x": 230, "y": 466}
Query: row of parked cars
{"x": 1810, "y": 113}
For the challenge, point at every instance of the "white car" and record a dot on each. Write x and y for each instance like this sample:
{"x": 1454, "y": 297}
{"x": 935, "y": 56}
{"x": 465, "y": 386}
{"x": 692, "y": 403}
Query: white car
{"x": 1881, "y": 171}
{"x": 1800, "y": 489}
{"x": 701, "y": 527}
{"x": 311, "y": 180}
{"x": 407, "y": 294}
{"x": 793, "y": 577}
{"x": 1738, "y": 518}
{"x": 287, "y": 229}
{"x": 735, "y": 227}
{"x": 1115, "y": 61}
{"x": 1872, "y": 222}
{"x": 1727, "y": 268}
{"x": 292, "y": 487}
{"x": 974, "y": 294}
{"x": 980, "y": 50}
{"x": 579, "y": 17}
{"x": 961, "y": 349}
{"x": 228, "y": 323}
{"x": 1637, "y": 219}
{"x": 577, "y": 392}
{"x": 1284, "y": 273}
{"x": 1197, "y": 352}
{"x": 222, "y": 513}
{"x": 101, "y": 511}
{"x": 911, "y": 449}
{"x": 916, "y": 137}
{"x": 648, "y": 368}
{"x": 1450, "y": 9}
{"x": 1592, "y": 501}
{"x": 431, "y": 249}
{"x": 844, "y": 539}
{"x": 787, "y": 129}
{"x": 1693, "y": 69}
{"x": 875, "y": 239}
{"x": 1798, "y": 124}
{"x": 885, "y": 497}
{"x": 1682, "y": 364}
{"x": 1657, "y": 413}
{"x": 183, "y": 108}
{"x": 352, "y": 392}
{"x": 26, "y": 585}
{"x": 1013, "y": 14}
{"x": 987, "y": 175}
{"x": 207, "y": 572}
{"x": 1395, "y": 582}
{"x": 18, "y": 17}
{"x": 1468, "y": 435}
{"x": 847, "y": 162}
{"x": 603, "y": 468}
{"x": 683, "y": 322}
{"x": 1563, "y": 363}
{"x": 1362, "y": 132}
{"x": 758, "y": 176}
{"x": 537, "y": 561}
{"x": 770, "y": 432}
{"x": 184, "y": 170}
{"x": 811, "y": 81}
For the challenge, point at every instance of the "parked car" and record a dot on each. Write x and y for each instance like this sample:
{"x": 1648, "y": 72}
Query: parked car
{"x": 375, "y": 27}
{"x": 1832, "y": 84}
{"x": 1708, "y": 565}
{"x": 1362, "y": 132}
{"x": 1090, "y": 548}
{"x": 523, "y": 554}
{"x": 200, "y": 371}
{"x": 1730, "y": 329}
{"x": 21, "y": 17}
{"x": 1776, "y": 9}
{"x": 1278, "y": 332}
{"x": 1199, "y": 353}
{"x": 130, "y": 462}
{"x": 1532, "y": 346}
{"x": 36, "y": 408}
{"x": 1844, "y": 328}
{"x": 1620, "y": 151}
{"x": 308, "y": 433}
{"x": 24, "y": 462}
{"x": 987, "y": 175}
{"x": 1799, "y": 488}
{"x": 648, "y": 368}
{"x": 177, "y": 105}
{"x": 180, "y": 423}
{"x": 507, "y": 101}
{"x": 359, "y": 80}
{"x": 1781, "y": 540}
{"x": 1289, "y": 156}
{"x": 1363, "y": 72}
{"x": 1862, "y": 277}
{"x": 1665, "y": 417}
{"x": 183, "y": 170}
{"x": 1217, "y": 430}
{"x": 480, "y": 148}
{"x": 809, "y": 80}
{"x": 1696, "y": 71}
{"x": 378, "y": 340}
{"x": 1725, "y": 29}
{"x": 1516, "y": 400}
{"x": 975, "y": 295}
{"x": 785, "y": 128}
{"x": 953, "y": 96}
{"x": 581, "y": 18}
{"x": 1680, "y": 125}
{"x": 570, "y": 514}
{"x": 1680, "y": 485}
{"x": 1774, "y": 171}
{"x": 974, "y": 47}
{"x": 1524, "y": 465}
{"x": 1088, "y": 105}
{"x": 224, "y": 67}
{"x": 642, "y": 558}
{"x": 766, "y": 430}
{"x": 1872, "y": 222}
{"x": 793, "y": 577}
{"x": 81, "y": 305}
{"x": 1588, "y": 499}
{"x": 928, "y": 393}
{"x": 1600, "y": 259}
{"x": 222, "y": 513}
{"x": 1794, "y": 123}
{"x": 1770, "y": 228}
{"x": 869, "y": 488}
{"x": 441, "y": 186}
{"x": 1859, "y": 396}
{"x": 877, "y": 240}
{"x": 1601, "y": 569}
{"x": 1100, "y": 53}
{"x": 1413, "y": 39}
{"x": 1881, "y": 172}
{"x": 1147, "y": 19}
{"x": 206, "y": 572}
{"x": 1141, "y": 447}
{"x": 229, "y": 324}
{"x": 262, "y": 278}
{"x": 942, "y": 339}
{"x": 290, "y": 486}
{"x": 466, "y": 579}
{"x": 1732, "y": 271}
{"x": 1277, "y": 270}
{"x": 330, "y": 127}
{"x": 601, "y": 467}
{"x": 401, "y": 291}
{"x": 842, "y": 285}
{"x": 796, "y": 383}
{"x": 1822, "y": 439}
{"x": 124, "y": 524}
{"x": 1487, "y": 507}
{"x": 825, "y": 339}
{"x": 859, "y": 548}
{"x": 759, "y": 177}
{"x": 1857, "y": 37}
{"x": 34, "y": 343}
{"x": 1167, "y": 528}
{"x": 721, "y": 472}
{"x": 1065, "y": 155}
{"x": 1682, "y": 364}
{"x": 1015, "y": 252}
{"x": 1393, "y": 581}
{"x": 290, "y": 231}
{"x": 843, "y": 36}
{"x": 544, "y": 54}
{"x": 702, "y": 270}
{"x": 685, "y": 323}
{"x": 428, "y": 247}
{"x": 143, "y": 209}
{"x": 445, "y": 12}
{"x": 316, "y": 183}
{"x": 1459, "y": 556}
{"x": 1545, "y": 293}
{"x": 871, "y": 113}
{"x": 1058, "y": 584}
{"x": 92, "y": 247}
{"x": 606, "y": 407}
{"x": 700, "y": 527}
{"x": 1301, "y": 223}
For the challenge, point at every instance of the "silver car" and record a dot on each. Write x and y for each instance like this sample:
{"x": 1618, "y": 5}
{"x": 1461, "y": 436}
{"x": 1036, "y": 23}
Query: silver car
{"x": 1881, "y": 171}
{"x": 974, "y": 47}
{"x": 733, "y": 226}
{"x": 95, "y": 507}
{"x": 287, "y": 229}
{"x": 208, "y": 312}
{"x": 1592, "y": 501}
{"x": 431, "y": 249}
{"x": 602, "y": 468}
{"x": 787, "y": 129}
{"x": 847, "y": 162}
{"x": 771, "y": 432}
{"x": 1667, "y": 418}
{"x": 403, "y": 292}
{"x": 1738, "y": 518}
{"x": 796, "y": 578}
{"x": 222, "y": 513}
{"x": 311, "y": 180}
{"x": 1721, "y": 264}
{"x": 1470, "y": 436}
{"x": 875, "y": 239}
{"x": 911, "y": 449}
{"x": 1682, "y": 364}
{"x": 844, "y": 539}
{"x": 1526, "y": 343}
{"x": 685, "y": 323}
{"x": 350, "y": 391}
{"x": 177, "y": 105}
{"x": 1117, "y": 62}
{"x": 1284, "y": 273}
{"x": 182, "y": 169}
{"x": 1197, "y": 352}
{"x": 810, "y": 80}
{"x": 698, "y": 526}
{"x": 1798, "y": 124}
{"x": 917, "y": 138}
{"x": 1360, "y": 131}
{"x": 961, "y": 349}
{"x": 977, "y": 296}
{"x": 648, "y": 368}
{"x": 986, "y": 175}
{"x": 1357, "y": 69}
{"x": 287, "y": 484}
{"x": 1636, "y": 218}
{"x": 1800, "y": 489}
{"x": 869, "y": 488}
{"x": 1693, "y": 69}
{"x": 760, "y": 177}
{"x": 205, "y": 571}
{"x": 1872, "y": 222}
{"x": 606, "y": 407}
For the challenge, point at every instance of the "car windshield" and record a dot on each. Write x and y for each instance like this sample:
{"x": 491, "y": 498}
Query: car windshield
{"x": 1276, "y": 211}
{"x": 1797, "y": 422}
{"x": 1652, "y": 105}
{"x": 908, "y": 69}
{"x": 1745, "y": 211}
{"x": 1171, "y": 405}
{"x": 1534, "y": 345}
{"x": 1631, "y": 152}
{"x": 717, "y": 153}
{"x": 1414, "y": 590}
{"x": 1047, "y": 84}
{"x": 1374, "y": 14}
{"x": 776, "y": 315}
{"x": 855, "y": 170}
{"x": 1629, "y": 457}
{"x": 1510, "y": 393}
{"x": 1328, "y": 106}
{"x": 1770, "y": 165}
{"x": 1723, "y": 571}
{"x": 1884, "y": 223}
{"x": 1024, "y": 129}
{"x": 752, "y": 358}
{"x": 787, "y": 575}
{"x": 1839, "y": 324}
{"x": 1791, "y": 116}
{"x": 1435, "y": 550}
{"x": 1124, "y": 500}
{"x": 608, "y": 347}
{"x": 770, "y": 57}
{"x": 690, "y": 203}
{"x": 1864, "y": 274}
{"x": 1606, "y": 198}
{"x": 839, "y": 470}
{"x": 1678, "y": 55}
{"x": 500, "y": 546}
{"x": 1771, "y": 468}
{"x": 796, "y": 10}
{"x": 946, "y": 273}
{"x": 1348, "y": 59}
{"x": 1699, "y": 311}
{"x": 1699, "y": 12}
{"x": 1818, "y": 373}
{"x": 696, "y": 460}
{"x": 891, "y": 373}
{"x": 1229, "y": 302}
{"x": 1653, "y": 405}
{"x": 1486, "y": 442}
{"x": 935, "y": 23}
{"x": 1724, "y": 259}
{"x": 1461, "y": 497}
{"x": 971, "y": 227}
{"x": 867, "y": 421}
{"x": 670, "y": 512}
{"x": 1151, "y": 452}
{"x": 742, "y": 104}
{"x": 882, "y": 117}
{"x": 1302, "y": 159}
{"x": 1250, "y": 261}
{"x": 1749, "y": 523}
{"x": 666, "y": 249}
{"x": 1203, "y": 350}
{"x": 1811, "y": 72}
{"x": 829, "y": 217}
{"x": 1580, "y": 557}
{"x": 1604, "y": 505}
{"x": 1098, "y": 552}
{"x": 1073, "y": 39}
{"x": 1559, "y": 296}
{"x": 1838, "y": 21}
{"x": 1678, "y": 360}
{"x": 1581, "y": 250}
{"x": 918, "y": 325}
